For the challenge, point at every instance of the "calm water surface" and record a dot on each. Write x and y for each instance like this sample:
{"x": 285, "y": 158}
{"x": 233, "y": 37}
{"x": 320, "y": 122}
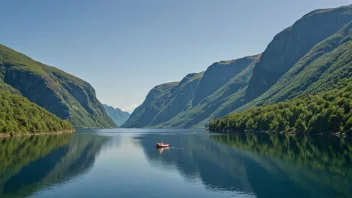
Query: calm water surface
{"x": 125, "y": 163}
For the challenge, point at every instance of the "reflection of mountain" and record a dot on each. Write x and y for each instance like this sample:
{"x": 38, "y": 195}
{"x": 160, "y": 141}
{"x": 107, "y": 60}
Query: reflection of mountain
{"x": 70, "y": 157}
{"x": 268, "y": 166}
{"x": 195, "y": 156}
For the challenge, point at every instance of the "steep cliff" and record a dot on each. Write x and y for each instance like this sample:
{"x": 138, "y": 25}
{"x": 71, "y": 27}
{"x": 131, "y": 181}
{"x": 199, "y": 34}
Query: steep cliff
{"x": 62, "y": 94}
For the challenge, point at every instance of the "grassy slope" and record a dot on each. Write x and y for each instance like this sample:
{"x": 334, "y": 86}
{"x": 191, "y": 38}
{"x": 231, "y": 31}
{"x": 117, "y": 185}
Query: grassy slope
{"x": 63, "y": 94}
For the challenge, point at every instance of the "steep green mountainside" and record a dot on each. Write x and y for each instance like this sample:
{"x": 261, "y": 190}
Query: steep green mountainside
{"x": 328, "y": 112}
{"x": 186, "y": 104}
{"x": 62, "y": 94}
{"x": 309, "y": 57}
{"x": 221, "y": 101}
{"x": 290, "y": 45}
{"x": 117, "y": 115}
{"x": 319, "y": 70}
{"x": 18, "y": 115}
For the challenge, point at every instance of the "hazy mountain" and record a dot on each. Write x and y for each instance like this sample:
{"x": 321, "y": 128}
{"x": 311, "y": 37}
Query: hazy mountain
{"x": 117, "y": 115}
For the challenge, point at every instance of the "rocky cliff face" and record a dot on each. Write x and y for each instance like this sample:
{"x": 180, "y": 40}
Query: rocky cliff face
{"x": 117, "y": 115}
{"x": 62, "y": 94}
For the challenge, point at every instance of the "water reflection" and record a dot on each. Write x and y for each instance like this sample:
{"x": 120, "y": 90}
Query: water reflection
{"x": 196, "y": 156}
{"x": 161, "y": 150}
{"x": 267, "y": 165}
{"x": 33, "y": 163}
{"x": 262, "y": 165}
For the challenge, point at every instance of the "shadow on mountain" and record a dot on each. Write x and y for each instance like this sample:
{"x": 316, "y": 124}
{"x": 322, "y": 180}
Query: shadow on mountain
{"x": 261, "y": 164}
{"x": 34, "y": 163}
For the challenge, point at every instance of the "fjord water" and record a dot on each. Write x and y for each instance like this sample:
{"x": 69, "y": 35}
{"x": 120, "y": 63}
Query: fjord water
{"x": 125, "y": 163}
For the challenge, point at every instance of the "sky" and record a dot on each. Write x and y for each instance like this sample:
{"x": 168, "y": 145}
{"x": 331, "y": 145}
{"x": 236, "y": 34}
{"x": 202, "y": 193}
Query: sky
{"x": 124, "y": 48}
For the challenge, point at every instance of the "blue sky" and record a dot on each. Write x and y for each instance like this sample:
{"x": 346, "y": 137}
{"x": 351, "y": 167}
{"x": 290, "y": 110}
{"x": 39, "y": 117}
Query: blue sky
{"x": 126, "y": 47}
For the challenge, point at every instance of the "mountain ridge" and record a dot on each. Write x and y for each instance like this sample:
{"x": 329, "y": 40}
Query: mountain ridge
{"x": 311, "y": 54}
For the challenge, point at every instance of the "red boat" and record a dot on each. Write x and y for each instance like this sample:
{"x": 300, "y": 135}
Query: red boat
{"x": 161, "y": 145}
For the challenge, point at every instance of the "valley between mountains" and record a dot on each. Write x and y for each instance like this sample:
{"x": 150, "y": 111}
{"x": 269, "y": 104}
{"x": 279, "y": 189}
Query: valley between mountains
{"x": 294, "y": 85}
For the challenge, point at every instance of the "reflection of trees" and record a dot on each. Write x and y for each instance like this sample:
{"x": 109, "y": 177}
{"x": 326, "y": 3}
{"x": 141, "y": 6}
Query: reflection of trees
{"x": 323, "y": 153}
{"x": 318, "y": 166}
{"x": 51, "y": 165}
{"x": 18, "y": 151}
{"x": 266, "y": 165}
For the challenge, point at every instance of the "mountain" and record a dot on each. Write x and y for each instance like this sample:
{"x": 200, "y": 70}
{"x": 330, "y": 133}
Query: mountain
{"x": 311, "y": 56}
{"x": 62, "y": 94}
{"x": 119, "y": 117}
{"x": 196, "y": 98}
{"x": 292, "y": 44}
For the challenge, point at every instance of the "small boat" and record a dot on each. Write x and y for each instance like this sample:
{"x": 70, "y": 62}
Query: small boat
{"x": 161, "y": 145}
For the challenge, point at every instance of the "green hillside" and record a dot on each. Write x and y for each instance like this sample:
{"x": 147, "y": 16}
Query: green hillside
{"x": 18, "y": 115}
{"x": 62, "y": 94}
{"x": 328, "y": 112}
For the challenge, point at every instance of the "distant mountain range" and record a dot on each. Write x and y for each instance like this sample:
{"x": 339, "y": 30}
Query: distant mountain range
{"x": 59, "y": 93}
{"x": 311, "y": 56}
{"x": 117, "y": 115}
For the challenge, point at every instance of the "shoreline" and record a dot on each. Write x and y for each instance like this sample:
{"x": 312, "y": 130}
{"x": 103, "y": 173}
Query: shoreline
{"x": 7, "y": 135}
{"x": 336, "y": 134}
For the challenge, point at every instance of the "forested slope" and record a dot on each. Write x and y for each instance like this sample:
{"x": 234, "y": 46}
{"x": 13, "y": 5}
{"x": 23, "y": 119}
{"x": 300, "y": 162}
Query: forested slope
{"x": 18, "y": 115}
